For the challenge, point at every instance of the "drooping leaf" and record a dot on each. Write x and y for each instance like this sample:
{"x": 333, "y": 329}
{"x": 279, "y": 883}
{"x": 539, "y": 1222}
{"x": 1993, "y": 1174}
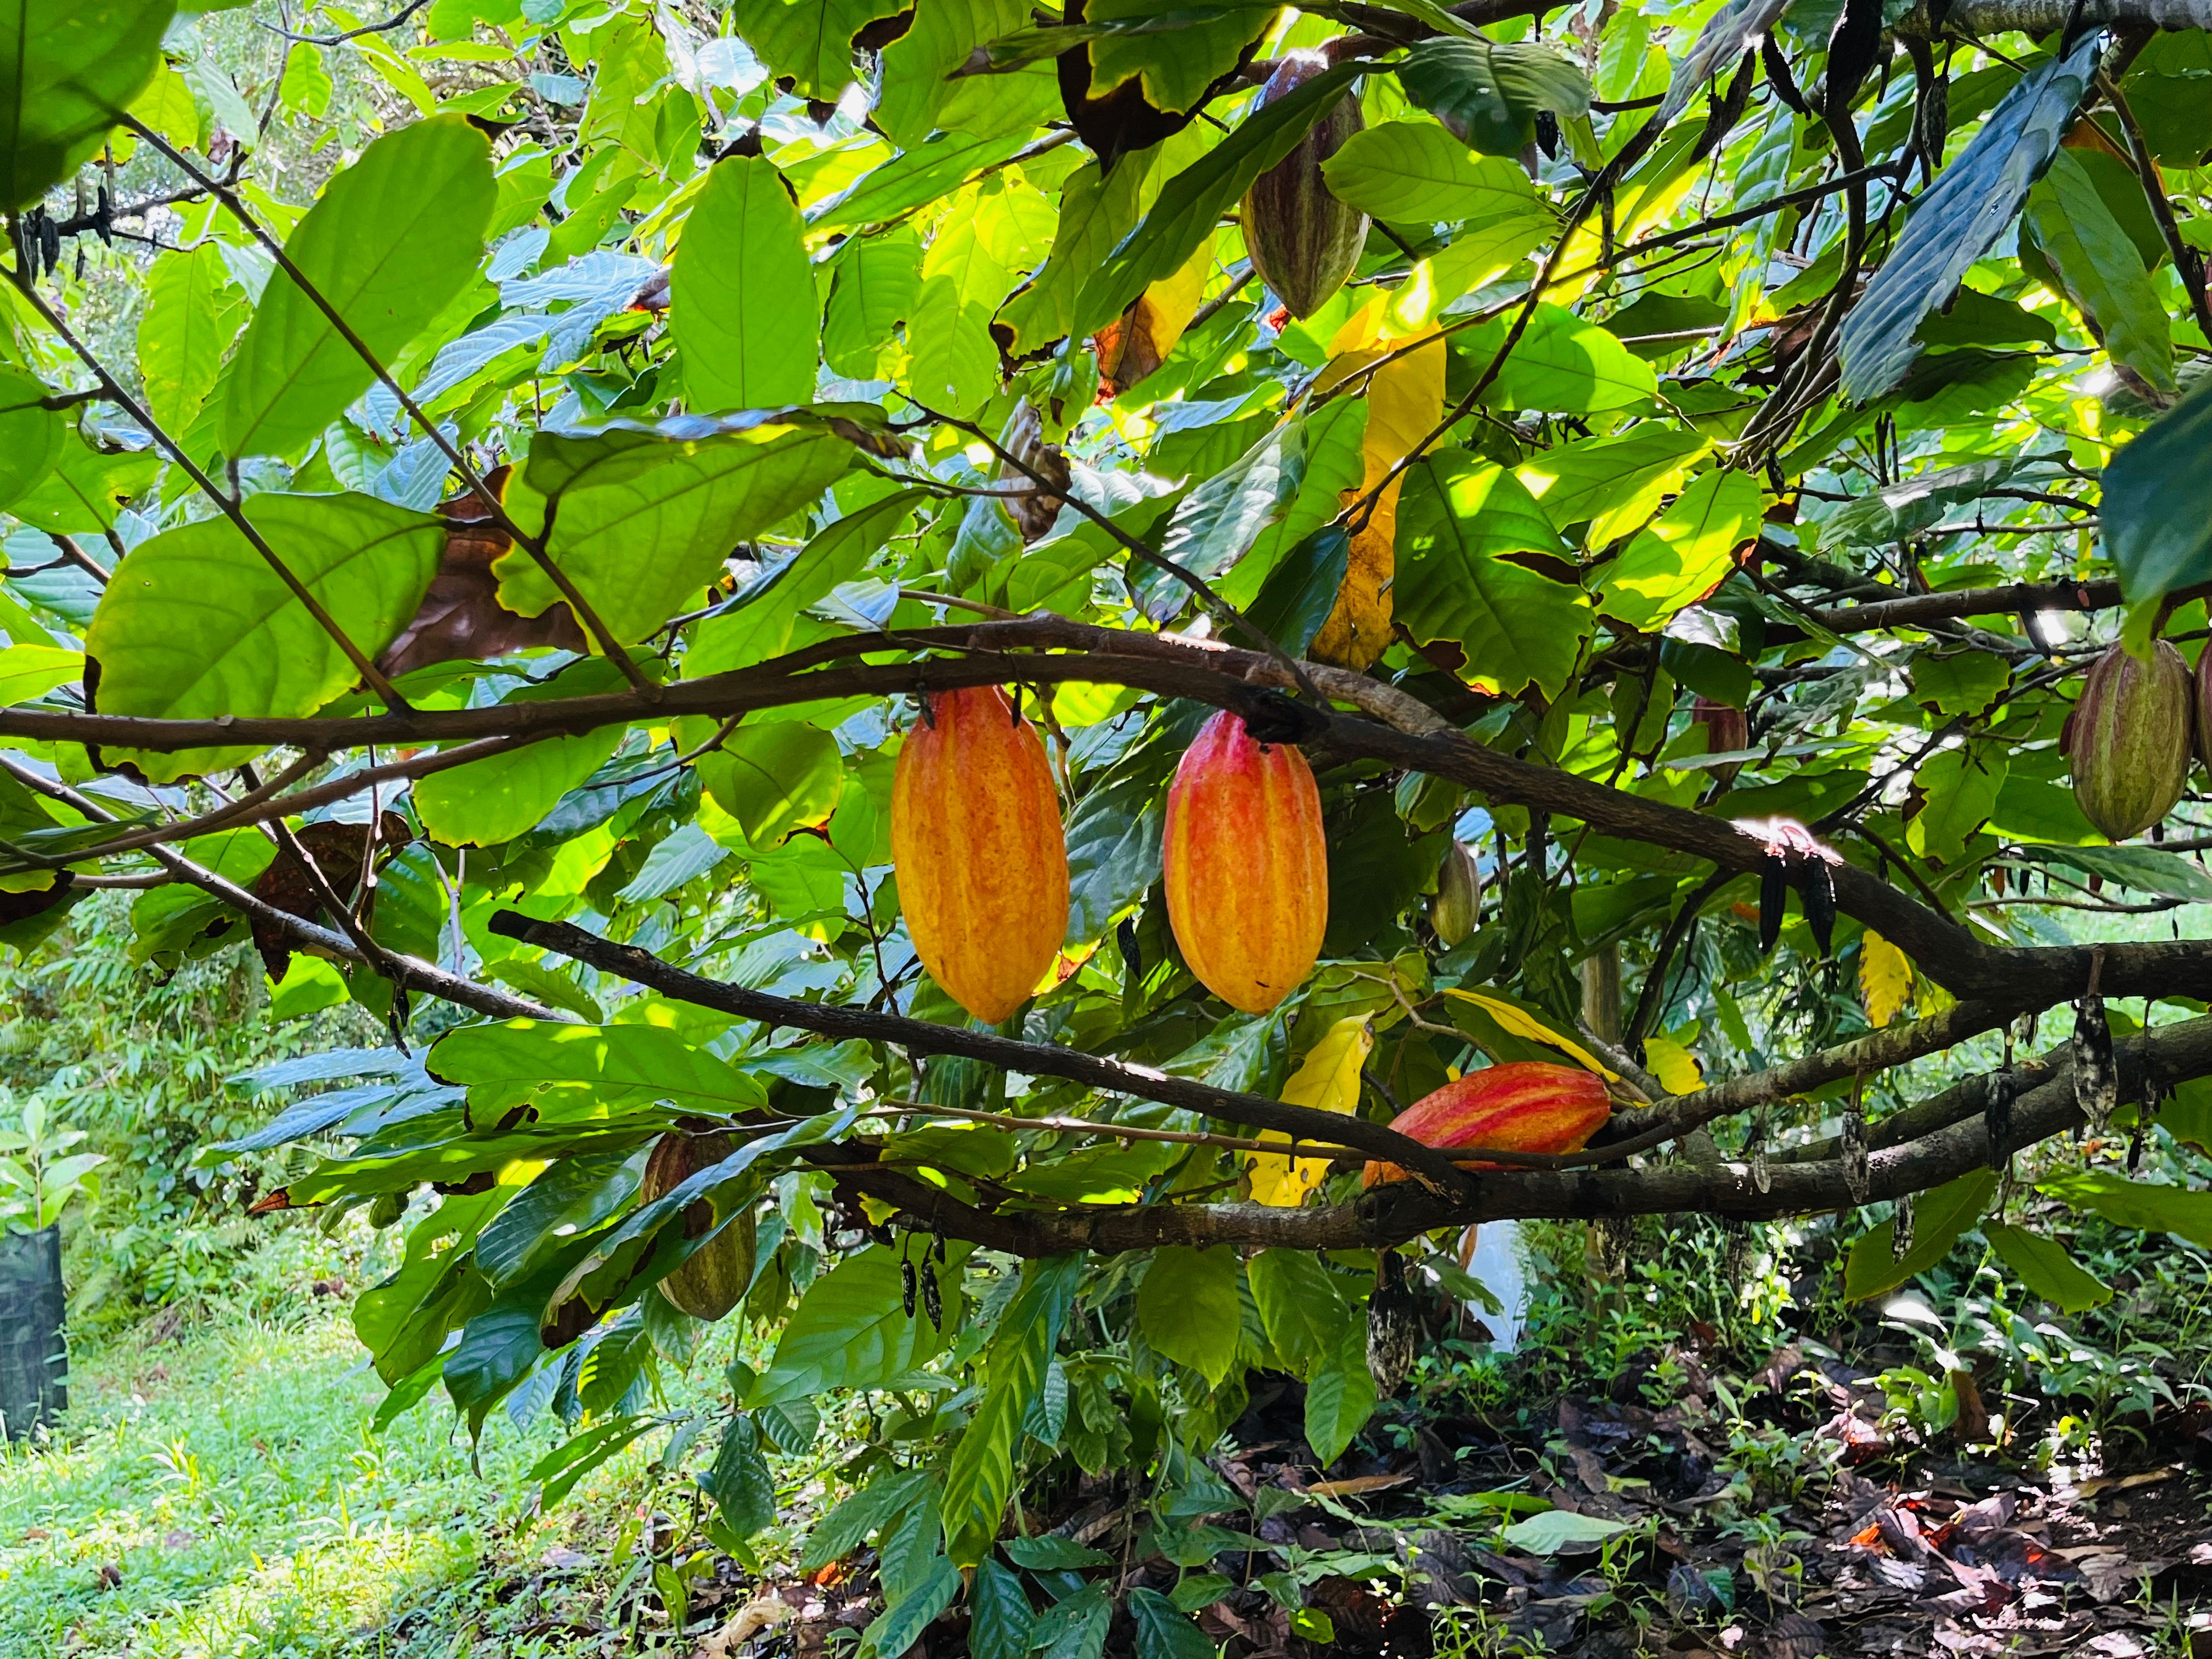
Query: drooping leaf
{"x": 2047, "y": 1268}
{"x": 1188, "y": 1309}
{"x": 741, "y": 294}
{"x": 67, "y": 73}
{"x": 1873, "y": 1268}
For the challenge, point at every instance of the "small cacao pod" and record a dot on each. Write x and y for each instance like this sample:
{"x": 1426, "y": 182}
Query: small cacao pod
{"x": 1458, "y": 902}
{"x": 1304, "y": 242}
{"x": 980, "y": 855}
{"x": 714, "y": 1277}
{"x": 2128, "y": 740}
{"x": 1245, "y": 865}
{"x": 1527, "y": 1106}
{"x": 1727, "y": 729}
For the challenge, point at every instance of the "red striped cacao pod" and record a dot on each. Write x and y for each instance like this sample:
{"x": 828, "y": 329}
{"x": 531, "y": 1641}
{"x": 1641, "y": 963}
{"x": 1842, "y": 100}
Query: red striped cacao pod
{"x": 1528, "y": 1106}
{"x": 1727, "y": 729}
{"x": 1304, "y": 242}
{"x": 1245, "y": 865}
{"x": 2128, "y": 740}
{"x": 980, "y": 855}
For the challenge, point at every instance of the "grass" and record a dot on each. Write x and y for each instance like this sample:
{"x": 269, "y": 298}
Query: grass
{"x": 219, "y": 1494}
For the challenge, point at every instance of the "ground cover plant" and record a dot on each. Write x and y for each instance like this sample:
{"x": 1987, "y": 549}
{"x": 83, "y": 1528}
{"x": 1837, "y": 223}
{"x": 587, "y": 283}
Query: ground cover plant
{"x": 1023, "y": 701}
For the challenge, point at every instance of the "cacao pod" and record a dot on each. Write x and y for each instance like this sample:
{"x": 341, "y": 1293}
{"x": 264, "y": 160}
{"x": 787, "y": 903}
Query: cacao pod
{"x": 1458, "y": 902}
{"x": 1302, "y": 241}
{"x": 980, "y": 855}
{"x": 1727, "y": 728}
{"x": 2128, "y": 740}
{"x": 1528, "y": 1106}
{"x": 2202, "y": 711}
{"x": 714, "y": 1277}
{"x": 1245, "y": 865}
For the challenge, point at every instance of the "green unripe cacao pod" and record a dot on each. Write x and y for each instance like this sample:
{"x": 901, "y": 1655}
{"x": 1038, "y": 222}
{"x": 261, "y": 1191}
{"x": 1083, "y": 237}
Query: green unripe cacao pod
{"x": 2128, "y": 740}
{"x": 713, "y": 1278}
{"x": 1304, "y": 242}
{"x": 1452, "y": 913}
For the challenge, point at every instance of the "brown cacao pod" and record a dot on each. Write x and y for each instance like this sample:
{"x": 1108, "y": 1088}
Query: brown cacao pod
{"x": 1245, "y": 865}
{"x": 1458, "y": 902}
{"x": 2128, "y": 740}
{"x": 1528, "y": 1106}
{"x": 1304, "y": 242}
{"x": 714, "y": 1277}
{"x": 1727, "y": 728}
{"x": 980, "y": 852}
{"x": 2202, "y": 711}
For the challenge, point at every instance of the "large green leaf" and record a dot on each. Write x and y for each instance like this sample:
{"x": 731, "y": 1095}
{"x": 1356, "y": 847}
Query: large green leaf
{"x": 851, "y": 1330}
{"x": 497, "y": 798}
{"x": 1302, "y": 1308}
{"x": 810, "y": 40}
{"x": 1459, "y": 519}
{"x": 1492, "y": 93}
{"x": 943, "y": 35}
{"x": 1216, "y": 525}
{"x": 393, "y": 239}
{"x": 1189, "y": 1310}
{"x": 641, "y": 523}
{"x": 774, "y": 778}
{"x": 196, "y": 624}
{"x": 1174, "y": 67}
{"x": 2151, "y": 1206}
{"x": 741, "y": 294}
{"x": 1685, "y": 554}
{"x": 758, "y": 624}
{"x": 1113, "y": 852}
{"x": 192, "y": 315}
{"x": 1191, "y": 202}
{"x": 1339, "y": 1394}
{"x": 30, "y": 435}
{"x": 2157, "y": 507}
{"x": 981, "y": 1478}
{"x": 68, "y": 70}
{"x": 2103, "y": 273}
{"x": 1561, "y": 365}
{"x": 1414, "y": 171}
{"x": 2047, "y": 1268}
{"x": 1875, "y": 1268}
{"x": 1613, "y": 484}
{"x": 574, "y": 1072}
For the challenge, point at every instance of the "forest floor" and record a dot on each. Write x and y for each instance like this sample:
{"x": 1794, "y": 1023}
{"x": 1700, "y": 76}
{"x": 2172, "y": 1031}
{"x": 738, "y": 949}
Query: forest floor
{"x": 216, "y": 1492}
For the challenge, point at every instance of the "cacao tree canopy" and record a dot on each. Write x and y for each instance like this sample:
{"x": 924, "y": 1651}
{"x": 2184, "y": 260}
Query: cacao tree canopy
{"x": 501, "y": 494}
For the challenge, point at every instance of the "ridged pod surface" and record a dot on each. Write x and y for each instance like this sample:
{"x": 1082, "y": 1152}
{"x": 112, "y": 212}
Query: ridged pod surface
{"x": 714, "y": 1277}
{"x": 2129, "y": 740}
{"x": 1304, "y": 242}
{"x": 1247, "y": 866}
{"x": 980, "y": 855}
{"x": 1458, "y": 902}
{"x": 2203, "y": 709}
{"x": 1529, "y": 1106}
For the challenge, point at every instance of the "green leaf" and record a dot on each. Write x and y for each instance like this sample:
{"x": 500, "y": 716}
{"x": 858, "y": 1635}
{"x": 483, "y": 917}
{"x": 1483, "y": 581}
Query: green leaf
{"x": 1192, "y": 202}
{"x": 497, "y": 1348}
{"x": 1562, "y": 1532}
{"x": 1051, "y": 1552}
{"x": 1458, "y": 519}
{"x": 1898, "y": 511}
{"x": 1164, "y": 1631}
{"x": 872, "y": 1509}
{"x": 67, "y": 72}
{"x": 2148, "y": 1206}
{"x": 83, "y": 486}
{"x": 1959, "y": 219}
{"x": 741, "y": 293}
{"x": 943, "y": 35}
{"x": 1612, "y": 484}
{"x": 192, "y": 315}
{"x": 195, "y": 624}
{"x": 2157, "y": 507}
{"x": 852, "y": 1330}
{"x": 774, "y": 779}
{"x": 1414, "y": 171}
{"x": 577, "y": 1457}
{"x": 1963, "y": 684}
{"x": 1215, "y": 526}
{"x": 980, "y": 1477}
{"x": 1561, "y": 365}
{"x": 1301, "y": 591}
{"x": 1685, "y": 554}
{"x": 900, "y": 1625}
{"x": 759, "y": 625}
{"x": 573, "y": 1196}
{"x": 2145, "y": 869}
{"x": 499, "y": 797}
{"x": 1189, "y": 1310}
{"x": 1001, "y": 1619}
{"x": 31, "y": 670}
{"x": 1113, "y": 852}
{"x": 1177, "y": 67}
{"x": 810, "y": 40}
{"x": 1302, "y": 1308}
{"x": 2103, "y": 273}
{"x": 928, "y": 173}
{"x": 394, "y": 238}
{"x": 566, "y": 1071}
{"x": 1959, "y": 790}
{"x": 1075, "y": 1628}
{"x": 2046, "y": 1267}
{"x": 1938, "y": 1217}
{"x": 30, "y": 435}
{"x": 1493, "y": 92}
{"x": 739, "y": 1482}
{"x": 1339, "y": 1394}
{"x": 878, "y": 281}
{"x": 643, "y": 523}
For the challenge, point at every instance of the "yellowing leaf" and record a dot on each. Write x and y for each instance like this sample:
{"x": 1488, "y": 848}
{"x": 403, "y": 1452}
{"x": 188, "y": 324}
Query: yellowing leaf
{"x": 1404, "y": 400}
{"x": 1676, "y": 1066}
{"x": 1521, "y": 1024}
{"x": 1885, "y": 977}
{"x": 1328, "y": 1081}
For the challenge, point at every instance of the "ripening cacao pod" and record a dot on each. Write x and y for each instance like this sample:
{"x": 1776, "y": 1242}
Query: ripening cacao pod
{"x": 2203, "y": 711}
{"x": 1727, "y": 729}
{"x": 1528, "y": 1106}
{"x": 1245, "y": 865}
{"x": 2129, "y": 740}
{"x": 1304, "y": 242}
{"x": 1458, "y": 902}
{"x": 714, "y": 1277}
{"x": 980, "y": 852}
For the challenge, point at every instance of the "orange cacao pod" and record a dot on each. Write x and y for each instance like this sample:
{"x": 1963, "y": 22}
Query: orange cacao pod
{"x": 1247, "y": 866}
{"x": 980, "y": 852}
{"x": 1529, "y": 1106}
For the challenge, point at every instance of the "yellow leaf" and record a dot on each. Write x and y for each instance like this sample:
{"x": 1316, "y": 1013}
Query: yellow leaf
{"x": 1328, "y": 1081}
{"x": 1885, "y": 977}
{"x": 1676, "y": 1066}
{"x": 1521, "y": 1024}
{"x": 1404, "y": 400}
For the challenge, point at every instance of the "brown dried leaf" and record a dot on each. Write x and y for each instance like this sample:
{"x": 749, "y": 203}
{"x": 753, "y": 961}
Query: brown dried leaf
{"x": 461, "y": 618}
